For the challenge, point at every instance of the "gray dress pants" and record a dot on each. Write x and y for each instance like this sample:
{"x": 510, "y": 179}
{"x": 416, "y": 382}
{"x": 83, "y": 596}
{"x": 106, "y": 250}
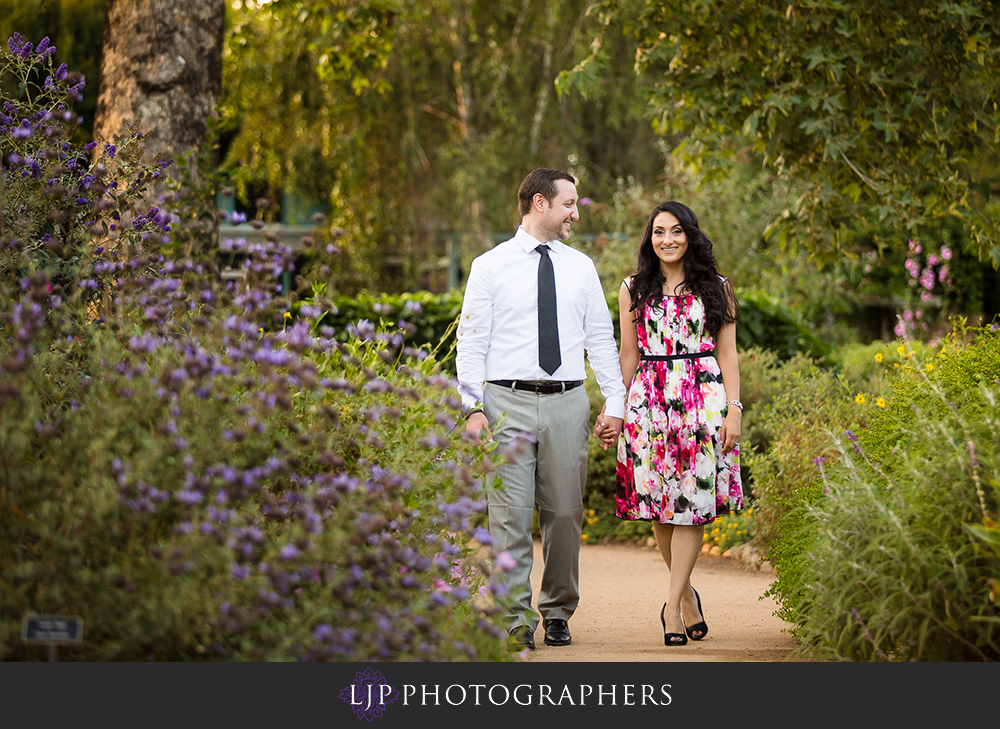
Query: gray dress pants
{"x": 545, "y": 441}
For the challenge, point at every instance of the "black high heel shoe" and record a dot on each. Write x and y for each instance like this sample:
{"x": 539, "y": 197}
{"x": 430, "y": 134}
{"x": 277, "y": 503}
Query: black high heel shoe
{"x": 668, "y": 638}
{"x": 701, "y": 627}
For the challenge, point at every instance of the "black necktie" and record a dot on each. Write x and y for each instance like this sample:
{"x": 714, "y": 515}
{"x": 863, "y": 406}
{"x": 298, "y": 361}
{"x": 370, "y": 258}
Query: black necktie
{"x": 548, "y": 322}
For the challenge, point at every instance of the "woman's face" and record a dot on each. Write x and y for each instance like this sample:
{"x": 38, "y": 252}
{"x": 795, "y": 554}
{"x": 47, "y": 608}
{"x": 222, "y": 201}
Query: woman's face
{"x": 669, "y": 241}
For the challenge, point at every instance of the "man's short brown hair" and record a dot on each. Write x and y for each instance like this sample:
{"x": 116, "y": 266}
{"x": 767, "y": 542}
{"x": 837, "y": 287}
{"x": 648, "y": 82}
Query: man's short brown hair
{"x": 542, "y": 180}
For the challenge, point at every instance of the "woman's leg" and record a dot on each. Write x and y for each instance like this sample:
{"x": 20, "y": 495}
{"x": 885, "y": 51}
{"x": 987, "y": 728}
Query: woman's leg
{"x": 679, "y": 546}
{"x": 663, "y": 533}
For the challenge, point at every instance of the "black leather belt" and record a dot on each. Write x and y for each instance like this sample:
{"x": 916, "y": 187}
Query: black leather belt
{"x": 542, "y": 387}
{"x": 670, "y": 357}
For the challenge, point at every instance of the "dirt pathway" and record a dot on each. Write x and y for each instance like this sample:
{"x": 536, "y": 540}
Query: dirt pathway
{"x": 622, "y": 589}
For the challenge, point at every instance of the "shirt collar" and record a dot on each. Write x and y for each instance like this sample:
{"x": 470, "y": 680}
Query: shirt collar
{"x": 529, "y": 243}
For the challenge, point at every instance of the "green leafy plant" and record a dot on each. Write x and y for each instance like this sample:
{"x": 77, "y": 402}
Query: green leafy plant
{"x": 892, "y": 557}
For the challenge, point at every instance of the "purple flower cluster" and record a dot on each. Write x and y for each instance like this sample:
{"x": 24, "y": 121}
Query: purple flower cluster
{"x": 244, "y": 448}
{"x": 22, "y": 48}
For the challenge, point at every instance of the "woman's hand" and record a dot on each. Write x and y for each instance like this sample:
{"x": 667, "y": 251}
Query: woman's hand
{"x": 731, "y": 429}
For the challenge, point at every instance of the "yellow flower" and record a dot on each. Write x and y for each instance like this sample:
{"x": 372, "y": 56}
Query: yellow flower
{"x": 288, "y": 315}
{"x": 895, "y": 364}
{"x": 860, "y": 399}
{"x": 584, "y": 536}
{"x": 930, "y": 366}
{"x": 591, "y": 512}
{"x": 901, "y": 349}
{"x": 880, "y": 402}
{"x": 878, "y": 357}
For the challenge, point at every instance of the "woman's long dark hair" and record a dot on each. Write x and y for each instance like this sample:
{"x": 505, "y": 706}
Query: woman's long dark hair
{"x": 700, "y": 275}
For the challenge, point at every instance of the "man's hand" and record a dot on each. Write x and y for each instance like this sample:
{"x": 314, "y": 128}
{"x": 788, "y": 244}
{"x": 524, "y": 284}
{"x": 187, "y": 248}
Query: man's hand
{"x": 478, "y": 428}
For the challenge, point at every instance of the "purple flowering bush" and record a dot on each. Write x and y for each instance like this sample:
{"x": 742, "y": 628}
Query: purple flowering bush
{"x": 192, "y": 470}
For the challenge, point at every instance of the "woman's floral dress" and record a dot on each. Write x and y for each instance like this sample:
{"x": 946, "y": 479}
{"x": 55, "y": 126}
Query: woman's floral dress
{"x": 670, "y": 463}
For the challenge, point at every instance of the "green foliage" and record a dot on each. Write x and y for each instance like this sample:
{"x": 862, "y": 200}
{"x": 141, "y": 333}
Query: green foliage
{"x": 888, "y": 556}
{"x": 885, "y": 111}
{"x": 426, "y": 321}
{"x": 791, "y": 439}
{"x": 935, "y": 277}
{"x": 765, "y": 322}
{"x": 56, "y": 197}
{"x": 410, "y": 121}
{"x": 967, "y": 359}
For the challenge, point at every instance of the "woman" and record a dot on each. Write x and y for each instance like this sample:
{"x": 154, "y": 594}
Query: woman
{"x": 678, "y": 455}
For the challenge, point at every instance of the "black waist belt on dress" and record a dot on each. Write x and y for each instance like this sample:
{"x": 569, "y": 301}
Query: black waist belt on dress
{"x": 670, "y": 357}
{"x": 540, "y": 387}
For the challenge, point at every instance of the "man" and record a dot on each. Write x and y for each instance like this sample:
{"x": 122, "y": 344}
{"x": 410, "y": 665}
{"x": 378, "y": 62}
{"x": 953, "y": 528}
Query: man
{"x": 530, "y": 311}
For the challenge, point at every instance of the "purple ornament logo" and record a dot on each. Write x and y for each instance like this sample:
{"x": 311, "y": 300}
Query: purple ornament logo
{"x": 369, "y": 694}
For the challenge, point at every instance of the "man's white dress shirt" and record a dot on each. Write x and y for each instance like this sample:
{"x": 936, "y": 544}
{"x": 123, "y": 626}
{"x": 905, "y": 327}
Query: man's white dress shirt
{"x": 498, "y": 329}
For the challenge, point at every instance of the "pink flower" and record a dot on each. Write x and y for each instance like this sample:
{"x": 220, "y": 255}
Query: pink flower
{"x": 946, "y": 253}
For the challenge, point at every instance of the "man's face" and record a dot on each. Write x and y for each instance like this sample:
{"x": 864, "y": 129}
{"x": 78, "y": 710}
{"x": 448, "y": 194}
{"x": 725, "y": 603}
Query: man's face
{"x": 561, "y": 213}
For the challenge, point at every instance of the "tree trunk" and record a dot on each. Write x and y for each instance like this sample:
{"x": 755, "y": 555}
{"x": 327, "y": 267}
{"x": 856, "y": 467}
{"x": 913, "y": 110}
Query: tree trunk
{"x": 161, "y": 70}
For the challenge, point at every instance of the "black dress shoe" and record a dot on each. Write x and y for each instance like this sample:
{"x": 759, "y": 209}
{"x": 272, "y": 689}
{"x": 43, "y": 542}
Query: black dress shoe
{"x": 520, "y": 638}
{"x": 557, "y": 632}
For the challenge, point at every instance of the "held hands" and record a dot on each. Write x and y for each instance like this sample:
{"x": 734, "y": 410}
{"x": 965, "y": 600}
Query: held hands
{"x": 607, "y": 429}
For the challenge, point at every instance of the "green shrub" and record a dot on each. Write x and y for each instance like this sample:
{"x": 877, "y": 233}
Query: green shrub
{"x": 797, "y": 427}
{"x": 898, "y": 564}
{"x": 766, "y": 323}
{"x": 794, "y": 439}
{"x": 966, "y": 359}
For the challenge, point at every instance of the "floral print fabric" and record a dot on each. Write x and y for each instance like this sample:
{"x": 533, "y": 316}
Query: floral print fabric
{"x": 670, "y": 463}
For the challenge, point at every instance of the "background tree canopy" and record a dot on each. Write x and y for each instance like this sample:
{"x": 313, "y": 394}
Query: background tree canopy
{"x": 795, "y": 129}
{"x": 887, "y": 111}
{"x": 411, "y": 120}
